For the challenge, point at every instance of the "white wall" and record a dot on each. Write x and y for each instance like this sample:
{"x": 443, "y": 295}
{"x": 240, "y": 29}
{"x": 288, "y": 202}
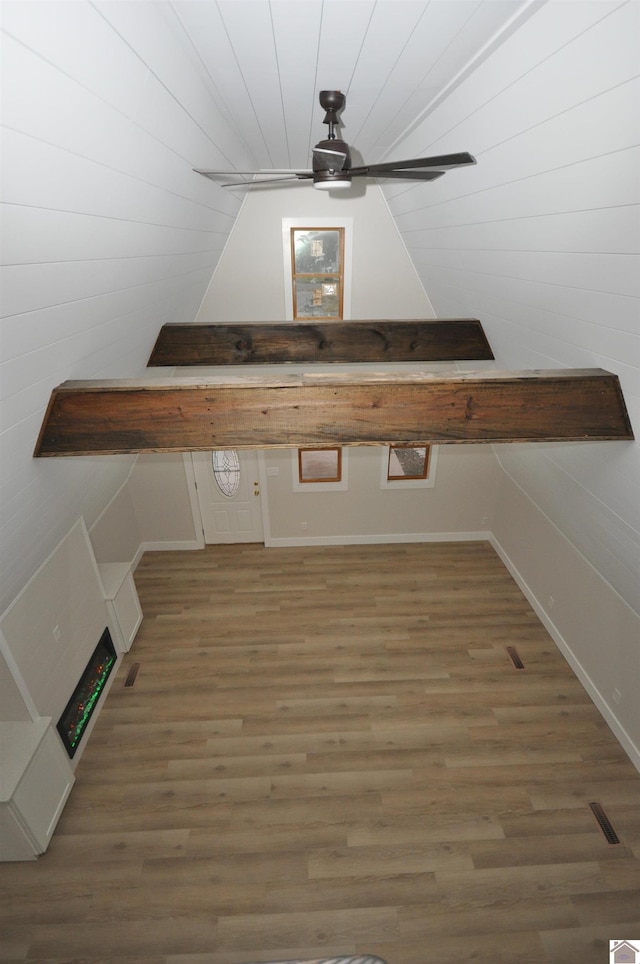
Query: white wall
{"x": 593, "y": 626}
{"x": 115, "y": 535}
{"x": 107, "y": 233}
{"x": 460, "y": 504}
{"x": 53, "y": 626}
{"x": 13, "y": 706}
{"x": 163, "y": 497}
{"x": 248, "y": 284}
{"x": 540, "y": 241}
{"x": 154, "y": 509}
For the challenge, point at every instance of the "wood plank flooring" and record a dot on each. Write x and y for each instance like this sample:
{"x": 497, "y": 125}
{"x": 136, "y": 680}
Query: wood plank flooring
{"x": 329, "y": 751}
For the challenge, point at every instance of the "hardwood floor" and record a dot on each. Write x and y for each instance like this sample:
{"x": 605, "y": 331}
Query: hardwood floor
{"x": 330, "y": 751}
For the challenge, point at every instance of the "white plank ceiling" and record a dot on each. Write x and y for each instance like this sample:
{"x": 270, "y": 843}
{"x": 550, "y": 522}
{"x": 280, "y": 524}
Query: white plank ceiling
{"x": 107, "y": 233}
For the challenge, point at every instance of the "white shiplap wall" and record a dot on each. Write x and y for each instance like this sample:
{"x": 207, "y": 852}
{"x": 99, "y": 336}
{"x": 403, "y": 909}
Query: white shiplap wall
{"x": 106, "y": 233}
{"x": 541, "y": 242}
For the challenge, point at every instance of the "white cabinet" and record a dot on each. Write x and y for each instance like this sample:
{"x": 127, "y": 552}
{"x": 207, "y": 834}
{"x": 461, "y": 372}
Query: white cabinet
{"x": 122, "y": 601}
{"x": 35, "y": 781}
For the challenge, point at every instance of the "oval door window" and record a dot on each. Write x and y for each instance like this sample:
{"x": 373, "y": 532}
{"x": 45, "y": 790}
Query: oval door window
{"x": 226, "y": 472}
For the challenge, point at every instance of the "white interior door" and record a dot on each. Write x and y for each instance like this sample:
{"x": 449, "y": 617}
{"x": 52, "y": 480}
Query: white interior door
{"x": 237, "y": 515}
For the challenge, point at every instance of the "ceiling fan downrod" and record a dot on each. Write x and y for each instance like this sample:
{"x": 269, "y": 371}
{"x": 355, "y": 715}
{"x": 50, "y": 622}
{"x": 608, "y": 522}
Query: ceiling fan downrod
{"x": 331, "y": 101}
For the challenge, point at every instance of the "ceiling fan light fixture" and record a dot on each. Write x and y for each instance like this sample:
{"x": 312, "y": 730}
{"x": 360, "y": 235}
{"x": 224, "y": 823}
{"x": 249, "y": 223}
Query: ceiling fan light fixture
{"x": 334, "y": 182}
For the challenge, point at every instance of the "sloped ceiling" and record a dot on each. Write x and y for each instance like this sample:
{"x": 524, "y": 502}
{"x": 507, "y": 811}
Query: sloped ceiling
{"x": 108, "y": 234}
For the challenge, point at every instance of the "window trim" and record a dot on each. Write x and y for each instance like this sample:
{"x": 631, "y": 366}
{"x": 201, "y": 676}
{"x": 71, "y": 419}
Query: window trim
{"x": 331, "y": 277}
{"x": 406, "y": 478}
{"x": 409, "y": 483}
{"x": 347, "y": 275}
{"x": 337, "y": 449}
{"x": 322, "y": 485}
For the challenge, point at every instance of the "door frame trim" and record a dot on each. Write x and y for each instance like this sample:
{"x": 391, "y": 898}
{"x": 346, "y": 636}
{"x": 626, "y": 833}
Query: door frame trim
{"x": 192, "y": 489}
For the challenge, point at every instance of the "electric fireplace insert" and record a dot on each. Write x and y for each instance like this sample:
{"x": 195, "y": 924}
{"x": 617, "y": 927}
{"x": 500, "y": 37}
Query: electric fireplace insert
{"x": 77, "y": 713}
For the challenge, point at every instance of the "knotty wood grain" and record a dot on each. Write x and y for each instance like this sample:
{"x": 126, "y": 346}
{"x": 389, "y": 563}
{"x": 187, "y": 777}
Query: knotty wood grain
{"x": 282, "y": 782}
{"x": 191, "y": 414}
{"x": 389, "y": 341}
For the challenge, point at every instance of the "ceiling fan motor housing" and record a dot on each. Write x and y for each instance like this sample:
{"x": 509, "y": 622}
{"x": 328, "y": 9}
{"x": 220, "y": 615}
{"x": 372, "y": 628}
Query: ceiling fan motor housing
{"x": 327, "y": 178}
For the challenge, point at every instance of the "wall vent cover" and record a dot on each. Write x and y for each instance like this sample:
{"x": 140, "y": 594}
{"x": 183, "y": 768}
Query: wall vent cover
{"x": 132, "y": 674}
{"x": 515, "y": 658}
{"x": 605, "y": 824}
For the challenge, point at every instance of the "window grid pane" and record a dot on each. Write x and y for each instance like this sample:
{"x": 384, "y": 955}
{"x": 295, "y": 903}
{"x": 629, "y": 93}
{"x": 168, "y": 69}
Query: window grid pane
{"x": 408, "y": 462}
{"x": 317, "y": 257}
{"x": 320, "y": 465}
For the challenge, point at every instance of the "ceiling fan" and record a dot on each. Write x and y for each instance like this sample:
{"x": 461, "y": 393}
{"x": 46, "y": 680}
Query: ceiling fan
{"x": 332, "y": 168}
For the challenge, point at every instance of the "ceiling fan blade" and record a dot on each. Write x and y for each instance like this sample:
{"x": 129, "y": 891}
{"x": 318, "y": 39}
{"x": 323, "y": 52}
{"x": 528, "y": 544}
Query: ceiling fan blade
{"x": 328, "y": 160}
{"x": 288, "y": 170}
{"x": 408, "y": 175}
{"x": 443, "y": 162}
{"x": 267, "y": 180}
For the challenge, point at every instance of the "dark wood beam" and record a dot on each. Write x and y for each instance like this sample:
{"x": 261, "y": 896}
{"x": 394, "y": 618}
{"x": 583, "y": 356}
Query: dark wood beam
{"x": 419, "y": 340}
{"x": 194, "y": 414}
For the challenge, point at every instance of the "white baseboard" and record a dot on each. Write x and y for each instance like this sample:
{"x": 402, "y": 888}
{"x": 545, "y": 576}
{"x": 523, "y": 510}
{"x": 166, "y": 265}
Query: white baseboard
{"x": 630, "y": 748}
{"x": 171, "y": 546}
{"x": 362, "y": 540}
{"x": 178, "y": 546}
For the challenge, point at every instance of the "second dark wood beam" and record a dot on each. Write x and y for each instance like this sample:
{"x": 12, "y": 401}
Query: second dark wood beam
{"x": 290, "y": 342}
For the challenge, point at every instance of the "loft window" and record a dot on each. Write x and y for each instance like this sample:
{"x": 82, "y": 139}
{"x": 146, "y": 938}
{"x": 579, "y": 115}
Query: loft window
{"x": 319, "y": 465}
{"x": 317, "y": 272}
{"x": 408, "y": 462}
{"x": 317, "y": 470}
{"x": 408, "y": 467}
{"x": 315, "y": 240}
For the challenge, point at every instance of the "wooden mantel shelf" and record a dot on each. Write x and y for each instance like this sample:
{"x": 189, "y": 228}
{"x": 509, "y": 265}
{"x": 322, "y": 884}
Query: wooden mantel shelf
{"x": 321, "y": 342}
{"x": 195, "y": 414}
